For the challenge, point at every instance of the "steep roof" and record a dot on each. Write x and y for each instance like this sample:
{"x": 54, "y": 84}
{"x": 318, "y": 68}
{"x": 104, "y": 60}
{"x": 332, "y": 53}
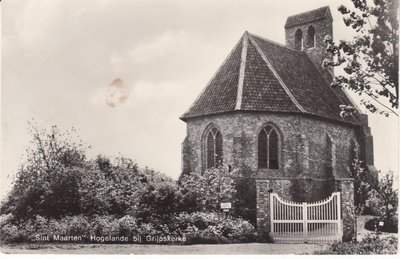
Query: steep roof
{"x": 310, "y": 16}
{"x": 261, "y": 75}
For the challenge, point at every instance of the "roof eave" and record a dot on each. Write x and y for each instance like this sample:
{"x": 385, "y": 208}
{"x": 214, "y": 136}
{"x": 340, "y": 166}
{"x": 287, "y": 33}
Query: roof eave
{"x": 302, "y": 23}
{"x": 306, "y": 114}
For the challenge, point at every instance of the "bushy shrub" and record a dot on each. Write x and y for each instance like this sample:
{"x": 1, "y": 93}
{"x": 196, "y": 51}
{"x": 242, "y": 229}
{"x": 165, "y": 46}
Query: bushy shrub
{"x": 208, "y": 189}
{"x": 148, "y": 229}
{"x": 72, "y": 225}
{"x": 127, "y": 225}
{"x": 384, "y": 198}
{"x": 389, "y": 226}
{"x": 197, "y": 227}
{"x": 159, "y": 202}
{"x": 212, "y": 227}
{"x": 11, "y": 233}
{"x": 105, "y": 225}
{"x": 118, "y": 187}
{"x": 78, "y": 225}
{"x": 27, "y": 229}
{"x": 374, "y": 196}
{"x": 205, "y": 191}
{"x": 57, "y": 180}
{"x": 245, "y": 205}
{"x": 372, "y": 244}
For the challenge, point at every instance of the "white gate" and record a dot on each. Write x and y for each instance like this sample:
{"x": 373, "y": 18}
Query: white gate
{"x": 317, "y": 222}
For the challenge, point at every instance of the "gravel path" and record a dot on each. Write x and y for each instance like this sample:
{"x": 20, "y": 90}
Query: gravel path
{"x": 252, "y": 248}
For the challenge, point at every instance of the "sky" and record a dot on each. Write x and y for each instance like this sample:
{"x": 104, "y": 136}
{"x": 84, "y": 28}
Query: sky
{"x": 122, "y": 71}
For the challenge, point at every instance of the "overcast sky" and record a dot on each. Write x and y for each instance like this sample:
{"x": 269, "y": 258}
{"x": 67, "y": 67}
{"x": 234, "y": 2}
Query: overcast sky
{"x": 59, "y": 58}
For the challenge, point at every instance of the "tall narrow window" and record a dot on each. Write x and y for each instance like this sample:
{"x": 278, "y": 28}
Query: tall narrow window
{"x": 311, "y": 37}
{"x": 213, "y": 148}
{"x": 268, "y": 148}
{"x": 298, "y": 40}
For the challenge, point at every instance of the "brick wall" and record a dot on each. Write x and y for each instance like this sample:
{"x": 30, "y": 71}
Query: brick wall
{"x": 318, "y": 52}
{"x": 302, "y": 176}
{"x": 303, "y": 142}
{"x": 186, "y": 151}
{"x": 348, "y": 210}
{"x": 263, "y": 206}
{"x": 365, "y": 140}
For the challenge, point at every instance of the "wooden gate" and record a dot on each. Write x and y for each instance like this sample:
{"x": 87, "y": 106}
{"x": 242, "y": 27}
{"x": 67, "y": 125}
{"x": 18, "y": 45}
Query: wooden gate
{"x": 317, "y": 222}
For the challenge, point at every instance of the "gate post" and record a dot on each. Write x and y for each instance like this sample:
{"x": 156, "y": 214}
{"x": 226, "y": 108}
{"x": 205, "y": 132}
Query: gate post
{"x": 263, "y": 209}
{"x": 305, "y": 217}
{"x": 348, "y": 210}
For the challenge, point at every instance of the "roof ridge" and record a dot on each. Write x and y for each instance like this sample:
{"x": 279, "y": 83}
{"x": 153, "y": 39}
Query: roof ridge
{"x": 308, "y": 16}
{"x": 310, "y": 11}
{"x": 276, "y": 75}
{"x": 275, "y": 42}
{"x": 242, "y": 71}
{"x": 327, "y": 9}
{"x": 212, "y": 78}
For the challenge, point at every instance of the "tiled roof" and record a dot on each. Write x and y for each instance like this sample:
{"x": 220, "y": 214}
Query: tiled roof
{"x": 221, "y": 91}
{"x": 309, "y": 16}
{"x": 262, "y": 91}
{"x": 261, "y": 75}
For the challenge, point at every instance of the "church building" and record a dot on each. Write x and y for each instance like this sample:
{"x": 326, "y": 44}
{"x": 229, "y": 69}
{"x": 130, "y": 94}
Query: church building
{"x": 270, "y": 112}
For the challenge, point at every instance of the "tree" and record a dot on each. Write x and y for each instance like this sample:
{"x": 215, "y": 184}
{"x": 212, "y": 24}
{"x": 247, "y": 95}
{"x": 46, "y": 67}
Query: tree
{"x": 47, "y": 183}
{"x": 370, "y": 60}
{"x": 119, "y": 187}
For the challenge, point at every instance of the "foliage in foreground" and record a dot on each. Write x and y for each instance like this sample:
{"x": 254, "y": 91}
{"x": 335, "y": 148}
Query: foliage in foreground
{"x": 198, "y": 227}
{"x": 373, "y": 195}
{"x": 59, "y": 190}
{"x": 372, "y": 244}
{"x": 204, "y": 227}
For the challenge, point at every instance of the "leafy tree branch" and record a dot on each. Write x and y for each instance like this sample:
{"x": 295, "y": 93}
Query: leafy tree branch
{"x": 370, "y": 59}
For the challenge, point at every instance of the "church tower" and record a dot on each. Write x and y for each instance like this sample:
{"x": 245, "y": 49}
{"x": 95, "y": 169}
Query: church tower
{"x": 306, "y": 32}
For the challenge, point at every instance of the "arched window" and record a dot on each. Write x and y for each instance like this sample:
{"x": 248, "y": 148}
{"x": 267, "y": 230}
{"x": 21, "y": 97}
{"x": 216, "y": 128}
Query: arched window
{"x": 311, "y": 37}
{"x": 298, "y": 40}
{"x": 268, "y": 148}
{"x": 213, "y": 148}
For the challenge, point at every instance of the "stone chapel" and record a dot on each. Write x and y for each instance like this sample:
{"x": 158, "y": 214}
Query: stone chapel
{"x": 269, "y": 111}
